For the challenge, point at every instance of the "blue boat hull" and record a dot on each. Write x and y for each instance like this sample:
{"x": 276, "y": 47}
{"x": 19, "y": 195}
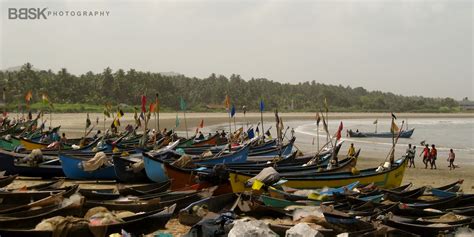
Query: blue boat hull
{"x": 155, "y": 170}
{"x": 236, "y": 157}
{"x": 72, "y": 170}
{"x": 124, "y": 174}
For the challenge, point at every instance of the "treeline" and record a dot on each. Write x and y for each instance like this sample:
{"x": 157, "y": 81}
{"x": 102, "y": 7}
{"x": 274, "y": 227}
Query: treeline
{"x": 126, "y": 87}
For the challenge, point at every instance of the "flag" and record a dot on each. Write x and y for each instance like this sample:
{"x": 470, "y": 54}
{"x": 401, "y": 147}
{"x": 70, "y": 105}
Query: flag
{"x": 177, "y": 121}
{"x": 339, "y": 130}
{"x": 393, "y": 116}
{"x": 257, "y": 130}
{"x": 106, "y": 113}
{"x": 201, "y": 125}
{"x": 227, "y": 102}
{"x": 116, "y": 122}
{"x": 376, "y": 121}
{"x": 120, "y": 113}
{"x": 394, "y": 128}
{"x": 88, "y": 121}
{"x": 250, "y": 133}
{"x": 318, "y": 119}
{"x": 232, "y": 111}
{"x": 45, "y": 98}
{"x": 262, "y": 106}
{"x": 30, "y": 116}
{"x": 182, "y": 104}
{"x": 137, "y": 119}
{"x": 326, "y": 104}
{"x": 152, "y": 107}
{"x": 143, "y": 103}
{"x": 4, "y": 92}
{"x": 244, "y": 108}
{"x": 28, "y": 97}
{"x": 325, "y": 125}
{"x": 107, "y": 108}
{"x": 97, "y": 121}
{"x": 277, "y": 118}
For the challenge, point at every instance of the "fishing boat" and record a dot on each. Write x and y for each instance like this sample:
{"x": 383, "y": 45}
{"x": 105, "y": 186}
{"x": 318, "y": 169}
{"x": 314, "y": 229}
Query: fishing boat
{"x": 6, "y": 180}
{"x": 146, "y": 189}
{"x": 388, "y": 178}
{"x": 50, "y": 167}
{"x": 126, "y": 173}
{"x": 403, "y": 134}
{"x": 72, "y": 167}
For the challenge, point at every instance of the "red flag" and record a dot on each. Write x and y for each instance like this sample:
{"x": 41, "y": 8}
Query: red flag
{"x": 201, "y": 125}
{"x": 143, "y": 103}
{"x": 152, "y": 107}
{"x": 339, "y": 130}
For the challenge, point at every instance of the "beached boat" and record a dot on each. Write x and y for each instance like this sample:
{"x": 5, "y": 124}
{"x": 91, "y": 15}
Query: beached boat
{"x": 72, "y": 167}
{"x": 50, "y": 167}
{"x": 6, "y": 180}
{"x": 389, "y": 178}
{"x": 403, "y": 134}
{"x": 126, "y": 173}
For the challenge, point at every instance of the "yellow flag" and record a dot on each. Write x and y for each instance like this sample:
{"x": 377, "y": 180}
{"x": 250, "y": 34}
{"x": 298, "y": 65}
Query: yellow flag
{"x": 257, "y": 184}
{"x": 227, "y": 102}
{"x": 394, "y": 129}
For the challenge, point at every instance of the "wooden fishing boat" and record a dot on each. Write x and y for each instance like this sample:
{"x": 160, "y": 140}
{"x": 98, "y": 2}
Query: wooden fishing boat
{"x": 139, "y": 224}
{"x": 404, "y": 134}
{"x": 216, "y": 139}
{"x": 124, "y": 171}
{"x": 48, "y": 186}
{"x": 283, "y": 203}
{"x": 281, "y": 151}
{"x": 72, "y": 169}
{"x": 421, "y": 229}
{"x": 9, "y": 145}
{"x": 239, "y": 156}
{"x": 6, "y": 180}
{"x": 49, "y": 168}
{"x": 452, "y": 187}
{"x": 444, "y": 203}
{"x": 413, "y": 194}
{"x": 388, "y": 178}
{"x": 216, "y": 204}
{"x": 29, "y": 218}
{"x": 149, "y": 204}
{"x": 144, "y": 189}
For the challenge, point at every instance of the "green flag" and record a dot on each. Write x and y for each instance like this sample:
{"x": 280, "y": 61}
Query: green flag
{"x": 177, "y": 120}
{"x": 182, "y": 104}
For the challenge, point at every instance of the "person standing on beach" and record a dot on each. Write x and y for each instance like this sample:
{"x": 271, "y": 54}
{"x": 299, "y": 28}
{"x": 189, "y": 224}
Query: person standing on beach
{"x": 410, "y": 155}
{"x": 433, "y": 156}
{"x": 451, "y": 158}
{"x": 426, "y": 155}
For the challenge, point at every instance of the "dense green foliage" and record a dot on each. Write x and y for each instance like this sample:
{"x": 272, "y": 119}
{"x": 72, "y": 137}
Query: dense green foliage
{"x": 126, "y": 87}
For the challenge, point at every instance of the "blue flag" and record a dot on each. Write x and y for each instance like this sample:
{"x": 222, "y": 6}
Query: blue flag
{"x": 232, "y": 111}
{"x": 250, "y": 133}
{"x": 182, "y": 104}
{"x": 262, "y": 106}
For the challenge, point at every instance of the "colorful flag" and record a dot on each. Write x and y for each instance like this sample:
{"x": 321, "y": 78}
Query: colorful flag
{"x": 227, "y": 102}
{"x": 120, "y": 113}
{"x": 232, "y": 111}
{"x": 318, "y": 119}
{"x": 325, "y": 125}
{"x": 262, "y": 106}
{"x": 339, "y": 130}
{"x": 201, "y": 125}
{"x": 250, "y": 133}
{"x": 143, "y": 104}
{"x": 177, "y": 121}
{"x": 152, "y": 107}
{"x": 116, "y": 122}
{"x": 182, "y": 104}
{"x": 28, "y": 96}
{"x": 88, "y": 121}
{"x": 394, "y": 128}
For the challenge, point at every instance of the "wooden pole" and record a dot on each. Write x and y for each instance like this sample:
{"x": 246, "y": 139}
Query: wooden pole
{"x": 185, "y": 124}
{"x": 157, "y": 113}
{"x": 317, "y": 134}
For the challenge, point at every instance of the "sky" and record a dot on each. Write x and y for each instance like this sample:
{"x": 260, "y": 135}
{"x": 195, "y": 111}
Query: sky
{"x": 415, "y": 47}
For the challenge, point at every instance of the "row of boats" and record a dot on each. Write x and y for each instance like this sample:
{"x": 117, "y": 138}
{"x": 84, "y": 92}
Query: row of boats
{"x": 206, "y": 181}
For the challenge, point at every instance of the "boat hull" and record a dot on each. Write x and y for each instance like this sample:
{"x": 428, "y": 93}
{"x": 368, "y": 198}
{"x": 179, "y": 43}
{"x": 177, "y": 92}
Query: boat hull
{"x": 72, "y": 170}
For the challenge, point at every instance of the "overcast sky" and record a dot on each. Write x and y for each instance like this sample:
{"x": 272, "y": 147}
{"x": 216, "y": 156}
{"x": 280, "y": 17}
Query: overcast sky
{"x": 406, "y": 47}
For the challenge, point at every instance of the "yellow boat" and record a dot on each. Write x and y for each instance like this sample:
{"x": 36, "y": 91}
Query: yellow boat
{"x": 30, "y": 145}
{"x": 389, "y": 178}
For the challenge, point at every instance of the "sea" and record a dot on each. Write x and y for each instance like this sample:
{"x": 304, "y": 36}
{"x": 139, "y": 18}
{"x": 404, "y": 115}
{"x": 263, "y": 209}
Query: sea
{"x": 445, "y": 133}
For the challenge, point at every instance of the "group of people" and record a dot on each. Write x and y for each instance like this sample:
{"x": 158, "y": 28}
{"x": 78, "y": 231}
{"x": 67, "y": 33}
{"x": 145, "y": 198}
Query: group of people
{"x": 429, "y": 156}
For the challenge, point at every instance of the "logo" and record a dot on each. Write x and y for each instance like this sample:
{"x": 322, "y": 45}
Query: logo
{"x": 27, "y": 13}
